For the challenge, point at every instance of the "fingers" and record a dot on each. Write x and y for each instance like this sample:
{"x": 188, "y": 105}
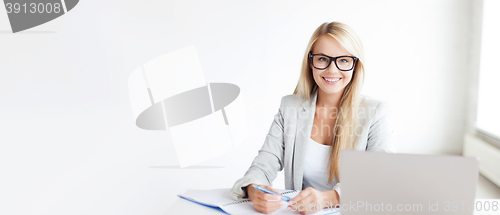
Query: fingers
{"x": 301, "y": 195}
{"x": 264, "y": 202}
{"x": 271, "y": 189}
{"x": 267, "y": 207}
{"x": 267, "y": 203}
{"x": 266, "y": 196}
{"x": 269, "y": 197}
{"x": 307, "y": 201}
{"x": 300, "y": 204}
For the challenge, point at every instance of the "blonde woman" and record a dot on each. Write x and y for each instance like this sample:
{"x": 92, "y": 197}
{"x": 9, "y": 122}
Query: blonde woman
{"x": 324, "y": 115}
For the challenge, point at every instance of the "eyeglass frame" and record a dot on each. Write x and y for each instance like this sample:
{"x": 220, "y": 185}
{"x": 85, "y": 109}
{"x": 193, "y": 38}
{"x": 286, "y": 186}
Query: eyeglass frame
{"x": 334, "y": 59}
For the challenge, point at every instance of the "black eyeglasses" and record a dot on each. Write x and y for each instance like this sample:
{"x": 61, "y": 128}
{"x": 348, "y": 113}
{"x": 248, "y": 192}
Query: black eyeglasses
{"x": 343, "y": 63}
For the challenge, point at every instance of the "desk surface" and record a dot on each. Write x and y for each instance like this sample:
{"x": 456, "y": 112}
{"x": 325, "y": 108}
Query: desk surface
{"x": 182, "y": 206}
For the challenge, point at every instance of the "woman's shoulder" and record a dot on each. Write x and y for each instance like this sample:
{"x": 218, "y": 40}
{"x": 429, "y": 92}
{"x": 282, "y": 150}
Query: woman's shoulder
{"x": 374, "y": 106}
{"x": 292, "y": 100}
{"x": 370, "y": 101}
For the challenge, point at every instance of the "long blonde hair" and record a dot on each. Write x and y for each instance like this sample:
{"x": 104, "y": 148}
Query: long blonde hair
{"x": 345, "y": 125}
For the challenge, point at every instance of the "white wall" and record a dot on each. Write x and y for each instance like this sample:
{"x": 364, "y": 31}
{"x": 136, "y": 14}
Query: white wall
{"x": 69, "y": 143}
{"x": 474, "y": 64}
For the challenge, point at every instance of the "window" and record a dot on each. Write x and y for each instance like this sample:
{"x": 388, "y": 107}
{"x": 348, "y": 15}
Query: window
{"x": 488, "y": 110}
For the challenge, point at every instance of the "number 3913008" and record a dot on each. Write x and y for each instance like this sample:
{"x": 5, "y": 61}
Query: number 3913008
{"x": 33, "y": 8}
{"x": 480, "y": 205}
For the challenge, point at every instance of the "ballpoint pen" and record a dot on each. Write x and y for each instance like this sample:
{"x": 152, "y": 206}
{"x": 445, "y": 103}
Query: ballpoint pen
{"x": 284, "y": 198}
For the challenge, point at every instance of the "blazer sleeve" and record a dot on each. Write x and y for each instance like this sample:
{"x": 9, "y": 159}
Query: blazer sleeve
{"x": 269, "y": 160}
{"x": 380, "y": 133}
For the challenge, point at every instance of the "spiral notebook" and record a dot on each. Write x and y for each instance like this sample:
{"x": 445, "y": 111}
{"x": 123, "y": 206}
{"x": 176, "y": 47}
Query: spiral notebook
{"x": 221, "y": 200}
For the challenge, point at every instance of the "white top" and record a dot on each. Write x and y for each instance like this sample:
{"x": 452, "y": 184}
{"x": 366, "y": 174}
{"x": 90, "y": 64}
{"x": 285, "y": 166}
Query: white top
{"x": 316, "y": 166}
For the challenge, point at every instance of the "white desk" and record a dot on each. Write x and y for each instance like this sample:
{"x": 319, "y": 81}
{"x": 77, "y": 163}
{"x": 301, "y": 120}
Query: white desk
{"x": 182, "y": 206}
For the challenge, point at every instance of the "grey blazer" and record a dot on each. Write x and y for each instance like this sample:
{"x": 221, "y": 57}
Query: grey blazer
{"x": 286, "y": 143}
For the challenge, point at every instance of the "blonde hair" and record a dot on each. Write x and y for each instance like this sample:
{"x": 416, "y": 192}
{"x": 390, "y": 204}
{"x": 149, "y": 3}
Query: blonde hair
{"x": 344, "y": 129}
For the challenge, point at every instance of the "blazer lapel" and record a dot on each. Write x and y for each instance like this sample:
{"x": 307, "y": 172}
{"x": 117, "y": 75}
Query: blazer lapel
{"x": 305, "y": 121}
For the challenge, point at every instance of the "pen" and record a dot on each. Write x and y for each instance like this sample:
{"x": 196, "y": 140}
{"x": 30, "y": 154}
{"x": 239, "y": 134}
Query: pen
{"x": 284, "y": 198}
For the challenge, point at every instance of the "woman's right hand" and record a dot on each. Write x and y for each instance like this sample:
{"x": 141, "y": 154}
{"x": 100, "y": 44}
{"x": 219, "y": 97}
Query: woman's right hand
{"x": 264, "y": 202}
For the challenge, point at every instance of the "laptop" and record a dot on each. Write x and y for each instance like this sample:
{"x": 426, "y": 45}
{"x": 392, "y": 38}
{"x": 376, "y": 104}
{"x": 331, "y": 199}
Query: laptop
{"x": 383, "y": 183}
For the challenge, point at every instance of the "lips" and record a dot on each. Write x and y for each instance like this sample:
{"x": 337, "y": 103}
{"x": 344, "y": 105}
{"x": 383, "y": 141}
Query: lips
{"x": 332, "y": 80}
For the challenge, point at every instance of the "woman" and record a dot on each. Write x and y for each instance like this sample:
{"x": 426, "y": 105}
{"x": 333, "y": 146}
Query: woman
{"x": 324, "y": 115}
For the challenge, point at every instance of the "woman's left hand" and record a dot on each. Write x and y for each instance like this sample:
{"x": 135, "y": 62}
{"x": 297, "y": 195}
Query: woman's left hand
{"x": 310, "y": 200}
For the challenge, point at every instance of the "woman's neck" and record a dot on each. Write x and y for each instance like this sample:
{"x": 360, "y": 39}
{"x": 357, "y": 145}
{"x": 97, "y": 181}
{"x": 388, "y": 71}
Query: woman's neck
{"x": 328, "y": 100}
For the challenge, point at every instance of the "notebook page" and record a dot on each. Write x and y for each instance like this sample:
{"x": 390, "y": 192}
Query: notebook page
{"x": 247, "y": 208}
{"x": 221, "y": 198}
{"x": 215, "y": 197}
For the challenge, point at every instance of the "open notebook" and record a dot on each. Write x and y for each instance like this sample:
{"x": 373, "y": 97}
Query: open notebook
{"x": 220, "y": 199}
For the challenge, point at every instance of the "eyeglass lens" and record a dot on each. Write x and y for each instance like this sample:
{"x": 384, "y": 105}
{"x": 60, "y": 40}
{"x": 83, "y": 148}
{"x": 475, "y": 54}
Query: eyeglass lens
{"x": 343, "y": 63}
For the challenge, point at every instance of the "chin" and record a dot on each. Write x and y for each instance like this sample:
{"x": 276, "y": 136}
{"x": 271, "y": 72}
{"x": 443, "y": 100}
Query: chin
{"x": 332, "y": 91}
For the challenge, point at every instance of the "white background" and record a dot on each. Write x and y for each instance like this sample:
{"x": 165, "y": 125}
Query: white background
{"x": 68, "y": 140}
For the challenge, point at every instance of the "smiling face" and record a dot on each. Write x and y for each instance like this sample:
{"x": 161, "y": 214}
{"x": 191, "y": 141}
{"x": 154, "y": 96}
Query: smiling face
{"x": 331, "y": 80}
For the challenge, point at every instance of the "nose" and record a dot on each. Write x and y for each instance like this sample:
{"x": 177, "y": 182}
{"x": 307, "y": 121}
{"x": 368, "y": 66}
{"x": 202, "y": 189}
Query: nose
{"x": 333, "y": 69}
